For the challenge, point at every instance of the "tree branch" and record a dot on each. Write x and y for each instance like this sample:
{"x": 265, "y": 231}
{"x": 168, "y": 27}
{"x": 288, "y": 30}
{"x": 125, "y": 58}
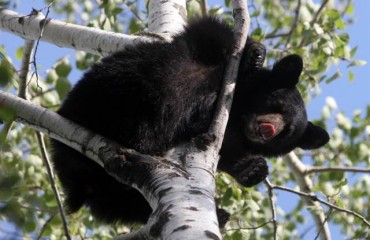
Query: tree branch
{"x": 305, "y": 184}
{"x": 166, "y": 17}
{"x": 66, "y": 35}
{"x": 294, "y": 23}
{"x": 273, "y": 208}
{"x": 316, "y": 199}
{"x": 49, "y": 170}
{"x": 314, "y": 169}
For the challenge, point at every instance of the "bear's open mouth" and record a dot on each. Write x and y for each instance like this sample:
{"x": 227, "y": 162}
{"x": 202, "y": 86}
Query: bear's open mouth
{"x": 266, "y": 130}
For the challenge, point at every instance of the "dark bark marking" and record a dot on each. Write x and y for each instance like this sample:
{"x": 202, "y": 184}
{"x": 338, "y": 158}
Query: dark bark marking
{"x": 163, "y": 192}
{"x": 203, "y": 141}
{"x": 44, "y": 22}
{"x": 192, "y": 208}
{"x": 21, "y": 20}
{"x": 211, "y": 235}
{"x": 196, "y": 192}
{"x": 156, "y": 229}
{"x": 182, "y": 228}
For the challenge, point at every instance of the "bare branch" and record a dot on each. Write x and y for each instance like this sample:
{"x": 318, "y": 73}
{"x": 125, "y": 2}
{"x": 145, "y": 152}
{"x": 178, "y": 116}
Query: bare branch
{"x": 326, "y": 219}
{"x": 305, "y": 184}
{"x": 292, "y": 28}
{"x": 315, "y": 169}
{"x": 294, "y": 23}
{"x": 316, "y": 199}
{"x": 317, "y": 15}
{"x": 273, "y": 208}
{"x": 250, "y": 228}
{"x": 49, "y": 170}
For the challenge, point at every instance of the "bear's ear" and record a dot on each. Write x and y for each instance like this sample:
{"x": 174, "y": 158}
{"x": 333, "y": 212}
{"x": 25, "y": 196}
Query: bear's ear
{"x": 288, "y": 70}
{"x": 313, "y": 137}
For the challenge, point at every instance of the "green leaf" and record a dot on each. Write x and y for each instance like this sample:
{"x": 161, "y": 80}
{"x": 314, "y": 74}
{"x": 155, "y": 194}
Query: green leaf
{"x": 340, "y": 24}
{"x": 341, "y": 184}
{"x": 333, "y": 14}
{"x": 19, "y": 53}
{"x": 30, "y": 224}
{"x": 6, "y": 114}
{"x": 134, "y": 26}
{"x": 357, "y": 63}
{"x": 63, "y": 67}
{"x": 333, "y": 77}
{"x": 237, "y": 235}
{"x": 351, "y": 76}
{"x": 63, "y": 86}
{"x": 344, "y": 37}
{"x": 353, "y": 51}
{"x": 336, "y": 176}
{"x": 51, "y": 76}
{"x": 350, "y": 9}
{"x": 228, "y": 3}
{"x": 256, "y": 13}
{"x": 6, "y": 72}
{"x": 117, "y": 10}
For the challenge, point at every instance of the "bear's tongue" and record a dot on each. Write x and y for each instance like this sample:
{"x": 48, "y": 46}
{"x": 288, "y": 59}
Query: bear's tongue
{"x": 266, "y": 130}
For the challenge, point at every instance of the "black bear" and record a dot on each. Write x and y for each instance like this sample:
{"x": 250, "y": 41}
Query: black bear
{"x": 152, "y": 96}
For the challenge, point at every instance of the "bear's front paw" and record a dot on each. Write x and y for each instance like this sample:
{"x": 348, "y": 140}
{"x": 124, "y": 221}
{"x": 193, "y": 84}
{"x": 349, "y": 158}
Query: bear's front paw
{"x": 251, "y": 171}
{"x": 255, "y": 56}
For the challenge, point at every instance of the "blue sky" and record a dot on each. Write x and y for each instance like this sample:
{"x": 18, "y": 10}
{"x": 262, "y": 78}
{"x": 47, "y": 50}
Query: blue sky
{"x": 354, "y": 95}
{"x": 349, "y": 95}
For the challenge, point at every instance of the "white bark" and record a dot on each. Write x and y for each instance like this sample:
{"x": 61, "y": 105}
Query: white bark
{"x": 66, "y": 35}
{"x": 166, "y": 17}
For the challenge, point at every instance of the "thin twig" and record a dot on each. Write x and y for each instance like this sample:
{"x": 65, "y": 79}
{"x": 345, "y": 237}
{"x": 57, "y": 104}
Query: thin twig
{"x": 49, "y": 170}
{"x": 315, "y": 198}
{"x": 35, "y": 73}
{"x": 313, "y": 21}
{"x": 277, "y": 35}
{"x": 43, "y": 228}
{"x": 273, "y": 208}
{"x": 313, "y": 169}
{"x": 294, "y": 23}
{"x": 326, "y": 219}
{"x": 249, "y": 228}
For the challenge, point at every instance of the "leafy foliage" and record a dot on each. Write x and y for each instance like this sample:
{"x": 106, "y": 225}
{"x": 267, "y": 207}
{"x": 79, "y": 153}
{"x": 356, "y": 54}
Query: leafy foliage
{"x": 317, "y": 34}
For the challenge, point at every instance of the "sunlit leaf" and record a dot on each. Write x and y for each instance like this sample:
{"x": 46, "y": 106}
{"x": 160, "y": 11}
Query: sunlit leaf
{"x": 357, "y": 63}
{"x": 6, "y": 72}
{"x": 63, "y": 86}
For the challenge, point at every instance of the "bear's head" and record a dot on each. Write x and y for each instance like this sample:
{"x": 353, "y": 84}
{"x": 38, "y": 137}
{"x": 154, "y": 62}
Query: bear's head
{"x": 273, "y": 115}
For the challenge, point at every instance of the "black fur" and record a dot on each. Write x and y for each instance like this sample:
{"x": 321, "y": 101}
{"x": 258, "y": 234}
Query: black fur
{"x": 154, "y": 95}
